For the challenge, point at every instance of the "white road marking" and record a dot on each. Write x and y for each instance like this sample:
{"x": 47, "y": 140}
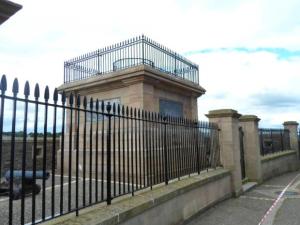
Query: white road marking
{"x": 58, "y": 185}
{"x": 72, "y": 182}
{"x": 270, "y": 214}
{"x": 272, "y": 186}
{"x": 258, "y": 198}
{"x": 99, "y": 180}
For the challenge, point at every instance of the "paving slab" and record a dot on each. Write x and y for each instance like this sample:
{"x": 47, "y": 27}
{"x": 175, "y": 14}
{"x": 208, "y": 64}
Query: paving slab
{"x": 254, "y": 205}
{"x": 289, "y": 213}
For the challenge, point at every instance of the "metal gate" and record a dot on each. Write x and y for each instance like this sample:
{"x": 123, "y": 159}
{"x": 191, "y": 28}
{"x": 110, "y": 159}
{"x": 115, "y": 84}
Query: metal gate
{"x": 241, "y": 137}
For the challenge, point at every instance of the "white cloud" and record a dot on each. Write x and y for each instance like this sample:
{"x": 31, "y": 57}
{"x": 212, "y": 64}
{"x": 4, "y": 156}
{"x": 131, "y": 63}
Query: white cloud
{"x": 236, "y": 79}
{"x": 35, "y": 42}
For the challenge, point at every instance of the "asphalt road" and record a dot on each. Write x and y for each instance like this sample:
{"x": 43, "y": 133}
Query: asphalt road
{"x": 275, "y": 202}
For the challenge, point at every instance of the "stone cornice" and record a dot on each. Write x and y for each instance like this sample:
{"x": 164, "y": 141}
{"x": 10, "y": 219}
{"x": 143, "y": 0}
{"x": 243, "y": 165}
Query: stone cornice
{"x": 249, "y": 118}
{"x": 287, "y": 123}
{"x": 223, "y": 113}
{"x": 133, "y": 75}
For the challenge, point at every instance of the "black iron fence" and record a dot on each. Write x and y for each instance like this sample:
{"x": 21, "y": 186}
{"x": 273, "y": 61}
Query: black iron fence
{"x": 103, "y": 151}
{"x": 274, "y": 140}
{"x": 130, "y": 53}
{"x": 298, "y": 132}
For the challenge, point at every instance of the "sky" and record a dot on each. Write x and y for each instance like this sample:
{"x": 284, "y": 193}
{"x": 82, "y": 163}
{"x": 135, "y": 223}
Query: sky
{"x": 248, "y": 51}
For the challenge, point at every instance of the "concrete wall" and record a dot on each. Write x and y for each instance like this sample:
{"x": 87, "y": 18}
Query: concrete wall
{"x": 184, "y": 206}
{"x": 279, "y": 163}
{"x": 167, "y": 205}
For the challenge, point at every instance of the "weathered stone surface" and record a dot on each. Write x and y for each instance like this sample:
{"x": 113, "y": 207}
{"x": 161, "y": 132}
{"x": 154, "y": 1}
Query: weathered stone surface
{"x": 248, "y": 118}
{"x": 19, "y": 151}
{"x": 227, "y": 120}
{"x": 163, "y": 205}
{"x": 141, "y": 87}
{"x": 249, "y": 124}
{"x": 292, "y": 126}
{"x": 291, "y": 123}
{"x": 223, "y": 113}
{"x": 278, "y": 163}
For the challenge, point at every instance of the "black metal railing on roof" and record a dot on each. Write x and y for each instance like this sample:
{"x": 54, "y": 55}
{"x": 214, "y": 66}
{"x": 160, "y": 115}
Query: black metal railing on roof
{"x": 133, "y": 52}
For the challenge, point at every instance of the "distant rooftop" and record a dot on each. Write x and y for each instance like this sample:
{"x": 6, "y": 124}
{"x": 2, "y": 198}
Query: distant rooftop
{"x": 7, "y": 9}
{"x": 130, "y": 53}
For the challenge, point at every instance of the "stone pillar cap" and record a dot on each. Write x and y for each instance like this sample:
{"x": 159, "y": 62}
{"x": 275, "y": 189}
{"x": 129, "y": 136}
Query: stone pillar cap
{"x": 248, "y": 118}
{"x": 223, "y": 113}
{"x": 286, "y": 123}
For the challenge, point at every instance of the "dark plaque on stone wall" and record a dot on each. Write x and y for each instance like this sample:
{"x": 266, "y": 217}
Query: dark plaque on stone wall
{"x": 171, "y": 108}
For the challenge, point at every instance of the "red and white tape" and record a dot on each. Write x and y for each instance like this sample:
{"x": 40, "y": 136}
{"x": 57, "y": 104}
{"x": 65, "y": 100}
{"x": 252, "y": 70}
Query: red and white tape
{"x": 277, "y": 200}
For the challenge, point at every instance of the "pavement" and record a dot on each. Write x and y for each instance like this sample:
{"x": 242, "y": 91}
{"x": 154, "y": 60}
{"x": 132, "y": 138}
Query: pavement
{"x": 274, "y": 202}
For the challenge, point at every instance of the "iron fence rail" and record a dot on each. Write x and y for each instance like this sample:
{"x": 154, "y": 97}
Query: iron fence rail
{"x": 298, "y": 134}
{"x": 274, "y": 140}
{"x": 104, "y": 151}
{"x": 136, "y": 51}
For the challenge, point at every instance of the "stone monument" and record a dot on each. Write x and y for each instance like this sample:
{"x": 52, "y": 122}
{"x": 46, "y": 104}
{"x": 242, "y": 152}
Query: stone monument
{"x": 138, "y": 73}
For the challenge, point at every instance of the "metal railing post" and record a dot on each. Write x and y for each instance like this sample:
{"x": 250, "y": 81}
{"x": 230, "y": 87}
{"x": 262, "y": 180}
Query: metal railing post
{"x": 197, "y": 148}
{"x": 165, "y": 150}
{"x": 281, "y": 141}
{"x": 272, "y": 142}
{"x": 3, "y": 87}
{"x": 108, "y": 152}
{"x": 77, "y": 116}
{"x": 143, "y": 54}
{"x": 175, "y": 61}
{"x": 12, "y": 152}
{"x": 98, "y": 60}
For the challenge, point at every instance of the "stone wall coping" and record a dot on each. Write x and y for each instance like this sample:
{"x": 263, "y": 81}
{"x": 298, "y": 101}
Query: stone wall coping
{"x": 286, "y": 123}
{"x": 277, "y": 155}
{"x": 128, "y": 76}
{"x": 223, "y": 113}
{"x": 249, "y": 118}
{"x": 125, "y": 207}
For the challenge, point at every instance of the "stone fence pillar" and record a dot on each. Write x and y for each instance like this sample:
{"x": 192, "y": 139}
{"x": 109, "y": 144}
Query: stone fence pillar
{"x": 227, "y": 120}
{"x": 249, "y": 124}
{"x": 292, "y": 126}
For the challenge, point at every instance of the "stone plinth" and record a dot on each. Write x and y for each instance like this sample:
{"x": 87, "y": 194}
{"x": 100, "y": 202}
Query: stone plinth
{"x": 227, "y": 120}
{"x": 249, "y": 124}
{"x": 140, "y": 87}
{"x": 292, "y": 126}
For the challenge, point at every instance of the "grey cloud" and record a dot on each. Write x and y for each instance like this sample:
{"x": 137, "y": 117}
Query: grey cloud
{"x": 276, "y": 100}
